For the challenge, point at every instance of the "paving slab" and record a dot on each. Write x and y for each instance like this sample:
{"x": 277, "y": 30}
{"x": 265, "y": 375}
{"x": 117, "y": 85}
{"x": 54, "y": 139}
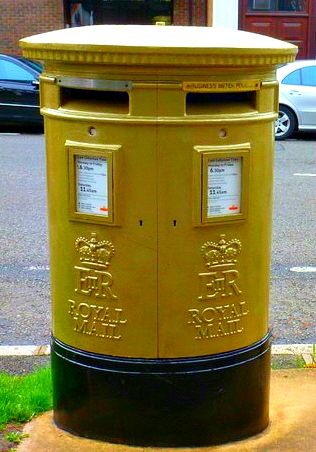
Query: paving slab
{"x": 292, "y": 424}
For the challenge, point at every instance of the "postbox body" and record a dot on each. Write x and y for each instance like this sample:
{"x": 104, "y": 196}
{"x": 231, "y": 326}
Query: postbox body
{"x": 160, "y": 162}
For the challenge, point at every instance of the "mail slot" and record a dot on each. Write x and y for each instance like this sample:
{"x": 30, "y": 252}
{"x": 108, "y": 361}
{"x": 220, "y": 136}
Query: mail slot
{"x": 159, "y": 166}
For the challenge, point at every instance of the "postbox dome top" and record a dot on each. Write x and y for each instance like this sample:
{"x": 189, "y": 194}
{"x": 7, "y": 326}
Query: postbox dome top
{"x": 158, "y": 45}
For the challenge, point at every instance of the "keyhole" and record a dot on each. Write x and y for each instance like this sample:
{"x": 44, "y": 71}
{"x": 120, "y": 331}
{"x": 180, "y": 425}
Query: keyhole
{"x": 222, "y": 133}
{"x": 92, "y": 131}
{"x": 174, "y": 223}
{"x": 140, "y": 222}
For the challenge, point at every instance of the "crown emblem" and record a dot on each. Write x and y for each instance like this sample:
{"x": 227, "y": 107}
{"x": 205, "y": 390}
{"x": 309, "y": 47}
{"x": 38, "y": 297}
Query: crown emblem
{"x": 94, "y": 253}
{"x": 221, "y": 253}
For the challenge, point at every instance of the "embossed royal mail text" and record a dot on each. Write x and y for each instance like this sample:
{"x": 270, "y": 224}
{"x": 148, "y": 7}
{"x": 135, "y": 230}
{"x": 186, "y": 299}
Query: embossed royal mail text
{"x": 218, "y": 321}
{"x": 94, "y": 320}
{"x": 94, "y": 280}
{"x": 216, "y": 286}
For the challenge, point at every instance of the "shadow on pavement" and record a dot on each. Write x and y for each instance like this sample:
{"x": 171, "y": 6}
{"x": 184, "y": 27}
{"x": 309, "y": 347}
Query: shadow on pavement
{"x": 22, "y": 129}
{"x": 303, "y": 136}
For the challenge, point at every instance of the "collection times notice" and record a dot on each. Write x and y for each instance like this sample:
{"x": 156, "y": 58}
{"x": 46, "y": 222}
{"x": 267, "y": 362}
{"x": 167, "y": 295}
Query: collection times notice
{"x": 92, "y": 185}
{"x": 224, "y": 186}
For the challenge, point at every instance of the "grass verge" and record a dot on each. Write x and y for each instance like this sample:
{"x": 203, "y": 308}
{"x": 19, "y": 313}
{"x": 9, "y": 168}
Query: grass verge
{"x": 22, "y": 398}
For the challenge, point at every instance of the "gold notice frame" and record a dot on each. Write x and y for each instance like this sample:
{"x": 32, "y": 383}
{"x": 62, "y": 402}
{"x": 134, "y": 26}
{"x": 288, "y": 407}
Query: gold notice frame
{"x": 221, "y": 180}
{"x": 89, "y": 165}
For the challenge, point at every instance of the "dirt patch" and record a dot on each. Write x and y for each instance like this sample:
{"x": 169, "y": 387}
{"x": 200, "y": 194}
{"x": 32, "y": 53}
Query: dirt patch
{"x": 10, "y": 436}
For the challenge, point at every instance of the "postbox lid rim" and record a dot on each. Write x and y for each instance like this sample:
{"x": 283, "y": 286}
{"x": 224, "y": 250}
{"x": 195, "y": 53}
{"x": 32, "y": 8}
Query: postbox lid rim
{"x": 186, "y": 37}
{"x": 154, "y": 44}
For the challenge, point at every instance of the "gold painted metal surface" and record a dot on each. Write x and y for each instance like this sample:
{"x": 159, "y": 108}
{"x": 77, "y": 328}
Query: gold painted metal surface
{"x": 158, "y": 275}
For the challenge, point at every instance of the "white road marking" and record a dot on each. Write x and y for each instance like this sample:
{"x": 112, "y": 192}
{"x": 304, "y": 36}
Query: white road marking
{"x": 38, "y": 267}
{"x": 305, "y": 174}
{"x": 303, "y": 269}
{"x": 24, "y": 350}
{"x": 9, "y": 133}
{"x": 292, "y": 349}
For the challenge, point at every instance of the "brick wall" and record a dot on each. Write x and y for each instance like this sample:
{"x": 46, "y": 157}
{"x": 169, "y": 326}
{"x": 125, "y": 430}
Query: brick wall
{"x": 190, "y": 12}
{"x": 22, "y": 18}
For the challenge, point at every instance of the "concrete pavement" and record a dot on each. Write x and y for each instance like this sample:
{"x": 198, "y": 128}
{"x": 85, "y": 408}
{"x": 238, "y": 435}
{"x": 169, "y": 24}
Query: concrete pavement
{"x": 292, "y": 424}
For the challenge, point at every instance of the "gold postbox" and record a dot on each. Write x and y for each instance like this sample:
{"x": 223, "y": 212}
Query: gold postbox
{"x": 160, "y": 159}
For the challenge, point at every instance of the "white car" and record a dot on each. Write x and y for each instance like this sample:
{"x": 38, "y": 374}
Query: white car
{"x": 297, "y": 101}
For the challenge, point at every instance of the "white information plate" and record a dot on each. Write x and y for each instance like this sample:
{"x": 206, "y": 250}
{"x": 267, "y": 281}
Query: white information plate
{"x": 224, "y": 186}
{"x": 92, "y": 185}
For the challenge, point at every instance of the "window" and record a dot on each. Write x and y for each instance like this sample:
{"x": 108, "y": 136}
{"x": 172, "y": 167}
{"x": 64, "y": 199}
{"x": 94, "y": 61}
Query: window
{"x": 277, "y": 5}
{"x": 95, "y": 12}
{"x": 260, "y": 4}
{"x": 11, "y": 71}
{"x": 293, "y": 79}
{"x": 309, "y": 76}
{"x": 305, "y": 76}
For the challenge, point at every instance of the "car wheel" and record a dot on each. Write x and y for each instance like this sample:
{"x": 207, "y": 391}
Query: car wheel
{"x": 285, "y": 124}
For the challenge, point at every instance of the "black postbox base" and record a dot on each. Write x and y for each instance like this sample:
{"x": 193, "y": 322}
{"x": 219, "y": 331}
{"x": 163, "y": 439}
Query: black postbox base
{"x": 162, "y": 402}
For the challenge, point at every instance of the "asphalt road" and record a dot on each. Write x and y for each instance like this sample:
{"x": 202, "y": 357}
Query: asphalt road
{"x": 293, "y": 293}
{"x": 24, "y": 264}
{"x": 24, "y": 273}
